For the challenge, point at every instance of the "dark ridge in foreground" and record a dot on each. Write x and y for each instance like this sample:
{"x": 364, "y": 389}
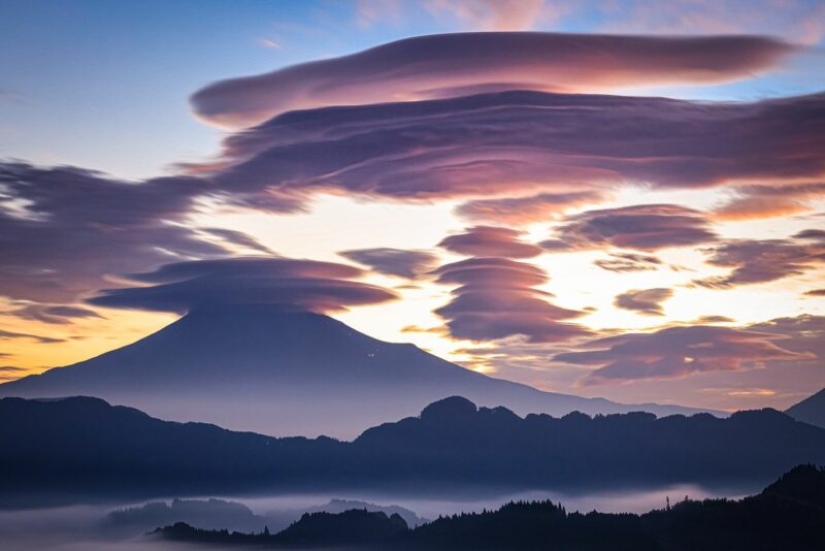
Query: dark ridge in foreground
{"x": 788, "y": 514}
{"x": 81, "y": 449}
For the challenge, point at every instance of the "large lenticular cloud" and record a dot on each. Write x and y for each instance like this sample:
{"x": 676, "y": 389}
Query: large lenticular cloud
{"x": 512, "y": 144}
{"x": 451, "y": 65}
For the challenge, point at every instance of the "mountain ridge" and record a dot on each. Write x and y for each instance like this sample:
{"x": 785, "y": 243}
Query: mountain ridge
{"x": 810, "y": 410}
{"x": 264, "y": 370}
{"x": 81, "y": 448}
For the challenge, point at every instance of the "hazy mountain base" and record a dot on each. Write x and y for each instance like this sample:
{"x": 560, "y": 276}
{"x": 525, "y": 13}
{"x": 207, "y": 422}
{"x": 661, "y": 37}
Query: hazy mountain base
{"x": 257, "y": 368}
{"x": 788, "y": 514}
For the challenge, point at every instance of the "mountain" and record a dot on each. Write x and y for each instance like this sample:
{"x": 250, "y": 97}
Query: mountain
{"x": 788, "y": 514}
{"x": 354, "y": 527}
{"x": 810, "y": 410}
{"x": 82, "y": 449}
{"x": 218, "y": 514}
{"x": 256, "y": 368}
{"x": 214, "y": 514}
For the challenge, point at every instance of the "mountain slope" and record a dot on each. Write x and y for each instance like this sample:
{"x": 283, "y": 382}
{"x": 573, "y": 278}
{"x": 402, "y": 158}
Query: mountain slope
{"x": 810, "y": 410}
{"x": 259, "y": 369}
{"x": 80, "y": 449}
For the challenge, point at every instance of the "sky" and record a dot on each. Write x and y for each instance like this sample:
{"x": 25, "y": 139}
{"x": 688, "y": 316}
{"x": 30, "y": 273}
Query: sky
{"x": 616, "y": 199}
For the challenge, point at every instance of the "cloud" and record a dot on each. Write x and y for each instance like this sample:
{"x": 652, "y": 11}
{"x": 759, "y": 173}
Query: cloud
{"x": 761, "y": 261}
{"x": 238, "y": 238}
{"x": 628, "y": 262}
{"x": 677, "y": 352}
{"x": 517, "y": 211}
{"x": 647, "y": 301}
{"x": 55, "y": 314}
{"x": 513, "y": 144}
{"x": 490, "y": 241}
{"x": 394, "y": 262}
{"x": 755, "y": 202}
{"x": 451, "y": 65}
{"x": 815, "y": 293}
{"x": 15, "y": 335}
{"x": 496, "y": 298}
{"x": 640, "y": 227}
{"x": 63, "y": 230}
{"x": 285, "y": 283}
{"x": 714, "y": 319}
{"x": 10, "y": 372}
{"x": 813, "y": 234}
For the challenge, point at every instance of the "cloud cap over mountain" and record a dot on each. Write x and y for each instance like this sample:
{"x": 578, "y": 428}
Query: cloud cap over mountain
{"x": 289, "y": 284}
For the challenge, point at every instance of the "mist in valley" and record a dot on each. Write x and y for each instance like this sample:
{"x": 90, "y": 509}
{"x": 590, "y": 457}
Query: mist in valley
{"x": 90, "y": 527}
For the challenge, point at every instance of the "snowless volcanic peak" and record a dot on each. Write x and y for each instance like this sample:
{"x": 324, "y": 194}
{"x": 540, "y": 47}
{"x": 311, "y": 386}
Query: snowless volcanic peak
{"x": 261, "y": 369}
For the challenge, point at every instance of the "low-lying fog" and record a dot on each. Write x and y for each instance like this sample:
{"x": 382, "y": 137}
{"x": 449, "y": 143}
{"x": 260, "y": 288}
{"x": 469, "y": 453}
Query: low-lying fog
{"x": 90, "y": 527}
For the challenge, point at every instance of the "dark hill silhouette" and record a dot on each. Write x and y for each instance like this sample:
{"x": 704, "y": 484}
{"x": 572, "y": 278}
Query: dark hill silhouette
{"x": 82, "y": 448}
{"x": 214, "y": 514}
{"x": 218, "y": 514}
{"x": 789, "y": 514}
{"x": 257, "y": 368}
{"x": 351, "y": 527}
{"x": 810, "y": 410}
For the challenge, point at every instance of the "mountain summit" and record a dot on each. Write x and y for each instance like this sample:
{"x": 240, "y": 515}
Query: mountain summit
{"x": 257, "y": 368}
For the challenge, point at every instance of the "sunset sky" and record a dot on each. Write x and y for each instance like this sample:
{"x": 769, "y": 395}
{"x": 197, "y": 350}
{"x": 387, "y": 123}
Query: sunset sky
{"x": 601, "y": 198}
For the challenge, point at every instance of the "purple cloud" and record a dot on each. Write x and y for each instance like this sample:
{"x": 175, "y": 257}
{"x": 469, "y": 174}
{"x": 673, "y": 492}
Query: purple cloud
{"x": 450, "y": 65}
{"x": 754, "y": 202}
{"x": 628, "y": 262}
{"x": 63, "y": 230}
{"x": 646, "y": 301}
{"x": 640, "y": 227}
{"x": 238, "y": 238}
{"x": 57, "y": 314}
{"x": 285, "y": 283}
{"x": 394, "y": 262}
{"x": 762, "y": 261}
{"x": 490, "y": 241}
{"x": 518, "y": 211}
{"x": 677, "y": 352}
{"x": 38, "y": 338}
{"x": 496, "y": 299}
{"x": 513, "y": 144}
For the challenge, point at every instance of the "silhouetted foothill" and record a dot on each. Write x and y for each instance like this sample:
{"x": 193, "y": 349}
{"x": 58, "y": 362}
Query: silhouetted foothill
{"x": 452, "y": 409}
{"x": 78, "y": 449}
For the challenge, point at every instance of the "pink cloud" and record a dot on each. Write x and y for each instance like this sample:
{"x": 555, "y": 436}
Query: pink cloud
{"x": 490, "y": 241}
{"x": 449, "y": 65}
{"x": 496, "y": 298}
